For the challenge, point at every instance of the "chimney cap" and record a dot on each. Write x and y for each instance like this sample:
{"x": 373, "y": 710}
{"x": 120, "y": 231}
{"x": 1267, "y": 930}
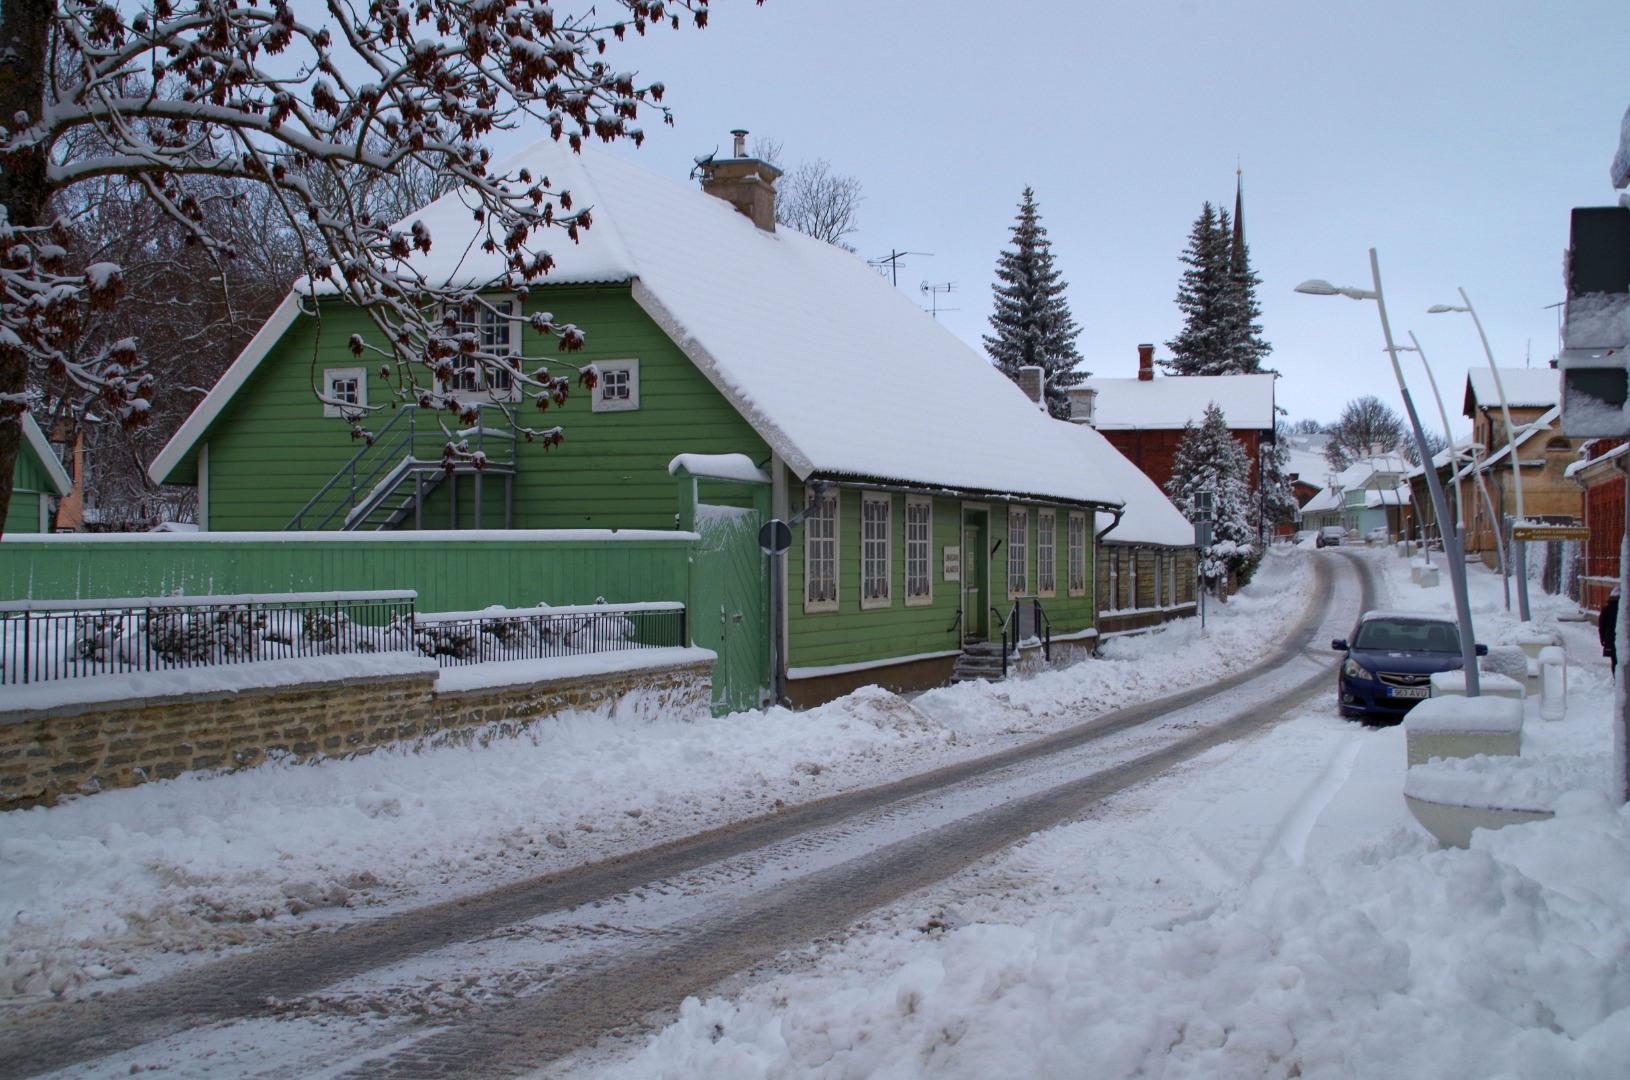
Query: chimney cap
{"x": 740, "y": 135}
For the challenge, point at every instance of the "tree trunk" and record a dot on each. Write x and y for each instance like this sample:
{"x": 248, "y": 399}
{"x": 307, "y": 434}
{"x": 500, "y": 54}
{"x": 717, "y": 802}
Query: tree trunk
{"x": 24, "y": 191}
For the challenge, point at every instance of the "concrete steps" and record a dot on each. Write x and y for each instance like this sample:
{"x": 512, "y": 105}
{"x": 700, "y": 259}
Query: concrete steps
{"x": 979, "y": 660}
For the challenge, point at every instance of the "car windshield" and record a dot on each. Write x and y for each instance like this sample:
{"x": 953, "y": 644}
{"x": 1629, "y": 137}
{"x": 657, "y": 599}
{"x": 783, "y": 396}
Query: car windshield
{"x": 1407, "y": 635}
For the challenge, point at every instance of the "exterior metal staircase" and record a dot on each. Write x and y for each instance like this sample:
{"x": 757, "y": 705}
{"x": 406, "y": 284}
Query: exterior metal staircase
{"x": 387, "y": 482}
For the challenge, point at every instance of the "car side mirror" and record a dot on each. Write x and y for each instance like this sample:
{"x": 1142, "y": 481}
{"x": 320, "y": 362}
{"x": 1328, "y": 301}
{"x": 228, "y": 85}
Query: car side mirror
{"x": 1482, "y": 650}
{"x": 1339, "y": 644}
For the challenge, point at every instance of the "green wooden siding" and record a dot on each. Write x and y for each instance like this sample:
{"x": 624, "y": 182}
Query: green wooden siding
{"x": 31, "y": 487}
{"x": 448, "y": 574}
{"x": 853, "y": 634}
{"x": 272, "y": 448}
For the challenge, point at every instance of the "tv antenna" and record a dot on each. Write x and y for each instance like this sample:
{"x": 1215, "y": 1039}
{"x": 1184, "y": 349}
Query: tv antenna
{"x": 892, "y": 261}
{"x": 933, "y": 294}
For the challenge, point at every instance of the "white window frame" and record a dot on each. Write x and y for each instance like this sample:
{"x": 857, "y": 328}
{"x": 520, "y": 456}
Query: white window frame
{"x": 876, "y": 539}
{"x": 629, "y": 400}
{"x": 1018, "y": 551}
{"x": 1077, "y": 581}
{"x": 1160, "y": 579}
{"x": 1046, "y": 553}
{"x": 331, "y": 405}
{"x": 821, "y": 551}
{"x": 498, "y": 334}
{"x": 1113, "y": 585}
{"x": 919, "y": 551}
{"x": 1132, "y": 580}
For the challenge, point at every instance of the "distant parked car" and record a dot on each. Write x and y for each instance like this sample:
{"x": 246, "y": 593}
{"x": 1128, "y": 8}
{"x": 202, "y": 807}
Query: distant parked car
{"x": 1303, "y": 536}
{"x": 1332, "y": 536}
{"x": 1390, "y": 660}
{"x": 1378, "y": 535}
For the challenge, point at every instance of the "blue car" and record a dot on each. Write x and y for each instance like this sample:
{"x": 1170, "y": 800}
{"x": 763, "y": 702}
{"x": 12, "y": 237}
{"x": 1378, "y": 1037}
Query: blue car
{"x": 1389, "y": 662}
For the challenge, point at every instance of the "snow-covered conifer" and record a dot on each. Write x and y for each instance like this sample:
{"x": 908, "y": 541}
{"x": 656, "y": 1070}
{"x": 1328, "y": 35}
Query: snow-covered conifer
{"x": 1221, "y": 333}
{"x": 1032, "y": 322}
{"x": 1210, "y": 459}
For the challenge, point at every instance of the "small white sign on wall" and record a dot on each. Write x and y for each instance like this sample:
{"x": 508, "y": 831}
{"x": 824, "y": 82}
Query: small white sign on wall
{"x": 953, "y": 563}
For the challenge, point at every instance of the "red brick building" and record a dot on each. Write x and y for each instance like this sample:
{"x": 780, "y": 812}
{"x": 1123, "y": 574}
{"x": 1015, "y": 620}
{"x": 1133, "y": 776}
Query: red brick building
{"x": 1144, "y": 417}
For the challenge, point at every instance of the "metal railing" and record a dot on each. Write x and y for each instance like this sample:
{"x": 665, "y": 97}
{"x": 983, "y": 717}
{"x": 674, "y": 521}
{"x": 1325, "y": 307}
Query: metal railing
{"x": 474, "y": 637}
{"x": 46, "y": 640}
{"x": 400, "y": 449}
{"x": 1027, "y": 621}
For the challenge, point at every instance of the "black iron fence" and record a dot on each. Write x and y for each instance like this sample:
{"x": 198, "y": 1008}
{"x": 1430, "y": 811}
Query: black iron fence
{"x": 474, "y": 637}
{"x": 1027, "y": 621}
{"x": 43, "y": 640}
{"x": 47, "y": 640}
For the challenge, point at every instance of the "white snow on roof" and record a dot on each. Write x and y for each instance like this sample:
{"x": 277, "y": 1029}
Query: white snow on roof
{"x": 719, "y": 467}
{"x": 1150, "y": 517}
{"x": 1306, "y": 465}
{"x": 1540, "y": 425}
{"x": 1608, "y": 455}
{"x": 1173, "y": 400}
{"x": 841, "y": 373}
{"x": 1326, "y": 499}
{"x": 1524, "y": 387}
{"x": 1383, "y": 497}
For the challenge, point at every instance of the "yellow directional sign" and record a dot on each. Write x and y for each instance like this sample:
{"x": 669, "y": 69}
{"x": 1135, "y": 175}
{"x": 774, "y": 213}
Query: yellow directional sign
{"x": 1538, "y": 533}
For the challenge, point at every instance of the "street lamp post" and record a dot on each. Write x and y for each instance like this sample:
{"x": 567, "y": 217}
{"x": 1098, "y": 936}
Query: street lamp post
{"x": 1460, "y": 504}
{"x": 1521, "y": 547}
{"x": 1451, "y": 541}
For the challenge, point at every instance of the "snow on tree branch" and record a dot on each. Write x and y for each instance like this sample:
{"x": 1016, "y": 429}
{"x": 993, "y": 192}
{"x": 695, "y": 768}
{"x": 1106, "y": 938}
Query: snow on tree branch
{"x": 164, "y": 94}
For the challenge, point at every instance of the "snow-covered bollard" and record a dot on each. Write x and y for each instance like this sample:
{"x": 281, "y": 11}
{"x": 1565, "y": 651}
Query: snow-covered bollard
{"x": 1443, "y": 727}
{"x": 1423, "y": 573}
{"x": 1553, "y": 682}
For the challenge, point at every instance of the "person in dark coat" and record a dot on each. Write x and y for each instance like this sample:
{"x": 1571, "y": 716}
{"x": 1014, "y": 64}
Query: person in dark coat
{"x": 1607, "y": 628}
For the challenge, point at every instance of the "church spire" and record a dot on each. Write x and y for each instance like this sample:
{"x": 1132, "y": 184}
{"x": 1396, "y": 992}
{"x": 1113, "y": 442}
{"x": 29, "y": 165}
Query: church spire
{"x": 1237, "y": 255}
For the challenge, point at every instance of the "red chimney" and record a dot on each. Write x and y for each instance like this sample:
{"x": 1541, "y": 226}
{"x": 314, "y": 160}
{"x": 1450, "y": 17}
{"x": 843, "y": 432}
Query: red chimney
{"x": 1146, "y": 363}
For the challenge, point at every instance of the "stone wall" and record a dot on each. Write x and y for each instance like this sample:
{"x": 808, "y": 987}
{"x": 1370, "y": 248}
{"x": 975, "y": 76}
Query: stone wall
{"x": 79, "y": 749}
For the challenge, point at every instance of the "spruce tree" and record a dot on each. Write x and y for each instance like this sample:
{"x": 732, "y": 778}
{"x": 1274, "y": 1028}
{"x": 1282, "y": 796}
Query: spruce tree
{"x": 1221, "y": 333}
{"x": 1210, "y": 459}
{"x": 1278, "y": 496}
{"x": 1243, "y": 346}
{"x": 1203, "y": 297}
{"x": 1032, "y": 323}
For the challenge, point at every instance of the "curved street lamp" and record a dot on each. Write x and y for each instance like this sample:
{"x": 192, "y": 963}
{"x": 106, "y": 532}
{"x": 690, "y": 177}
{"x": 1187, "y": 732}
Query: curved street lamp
{"x": 1511, "y": 441}
{"x": 1451, "y": 538}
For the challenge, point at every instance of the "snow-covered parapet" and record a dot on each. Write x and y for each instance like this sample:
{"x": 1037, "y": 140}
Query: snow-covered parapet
{"x": 719, "y": 467}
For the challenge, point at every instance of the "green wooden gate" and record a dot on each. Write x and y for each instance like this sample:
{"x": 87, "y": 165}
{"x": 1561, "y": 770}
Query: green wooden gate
{"x": 729, "y": 605}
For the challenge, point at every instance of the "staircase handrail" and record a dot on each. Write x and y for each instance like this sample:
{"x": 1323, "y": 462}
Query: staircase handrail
{"x": 393, "y": 455}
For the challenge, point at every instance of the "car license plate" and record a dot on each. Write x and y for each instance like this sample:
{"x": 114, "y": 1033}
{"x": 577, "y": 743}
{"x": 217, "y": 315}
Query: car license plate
{"x": 1412, "y": 691}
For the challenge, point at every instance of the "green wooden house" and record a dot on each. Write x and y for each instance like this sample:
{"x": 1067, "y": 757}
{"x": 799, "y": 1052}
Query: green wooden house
{"x": 746, "y": 373}
{"x": 37, "y": 479}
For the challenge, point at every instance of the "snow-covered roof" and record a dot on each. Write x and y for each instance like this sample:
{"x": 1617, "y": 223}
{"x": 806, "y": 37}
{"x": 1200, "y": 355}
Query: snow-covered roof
{"x": 1525, "y": 388}
{"x": 1150, "y": 517}
{"x": 842, "y": 374}
{"x": 1174, "y": 400}
{"x": 48, "y": 459}
{"x": 1607, "y": 455}
{"x": 1306, "y": 465}
{"x": 1384, "y": 497}
{"x": 1326, "y": 499}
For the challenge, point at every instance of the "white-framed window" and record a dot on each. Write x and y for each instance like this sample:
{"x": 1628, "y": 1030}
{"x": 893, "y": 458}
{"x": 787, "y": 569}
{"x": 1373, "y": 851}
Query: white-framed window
{"x": 821, "y": 553}
{"x": 495, "y": 332}
{"x": 1046, "y": 553}
{"x": 618, "y": 389}
{"x": 1131, "y": 579}
{"x": 1078, "y": 555}
{"x": 1113, "y": 592}
{"x": 1018, "y": 551}
{"x": 874, "y": 550}
{"x": 919, "y": 544}
{"x": 1160, "y": 578}
{"x": 345, "y": 390}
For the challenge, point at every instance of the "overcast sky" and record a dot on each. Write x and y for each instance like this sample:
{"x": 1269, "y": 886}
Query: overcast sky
{"x": 1452, "y": 137}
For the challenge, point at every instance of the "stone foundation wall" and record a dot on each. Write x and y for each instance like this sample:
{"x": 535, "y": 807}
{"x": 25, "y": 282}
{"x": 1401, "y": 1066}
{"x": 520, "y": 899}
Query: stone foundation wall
{"x": 80, "y": 749}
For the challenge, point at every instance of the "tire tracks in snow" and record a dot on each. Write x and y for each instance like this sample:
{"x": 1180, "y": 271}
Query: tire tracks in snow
{"x": 601, "y": 994}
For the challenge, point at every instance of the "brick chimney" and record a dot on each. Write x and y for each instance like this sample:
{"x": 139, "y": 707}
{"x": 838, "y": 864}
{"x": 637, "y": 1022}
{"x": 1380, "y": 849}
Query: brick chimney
{"x": 1083, "y": 403}
{"x": 746, "y": 183}
{"x": 1146, "y": 363}
{"x": 1033, "y": 380}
